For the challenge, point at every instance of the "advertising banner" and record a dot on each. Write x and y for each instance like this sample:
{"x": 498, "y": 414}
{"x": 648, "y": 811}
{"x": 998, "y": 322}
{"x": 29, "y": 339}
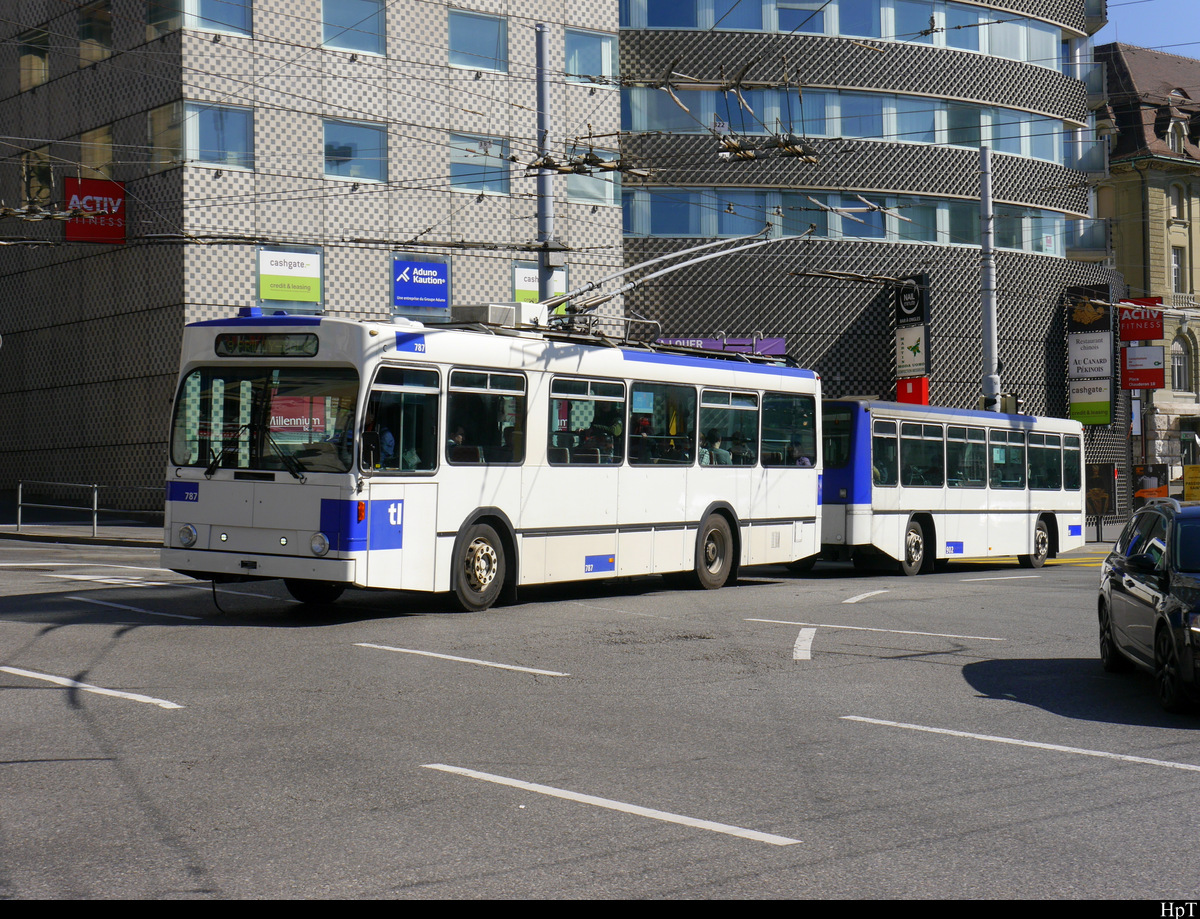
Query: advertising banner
{"x": 290, "y": 276}
{"x": 1139, "y": 323}
{"x": 1089, "y": 355}
{"x": 101, "y": 198}
{"x": 525, "y": 282}
{"x": 297, "y": 413}
{"x": 911, "y": 352}
{"x": 1150, "y": 480}
{"x": 1101, "y": 484}
{"x": 772, "y": 346}
{"x": 1142, "y": 367}
{"x": 1191, "y": 483}
{"x": 1091, "y": 401}
{"x": 420, "y": 287}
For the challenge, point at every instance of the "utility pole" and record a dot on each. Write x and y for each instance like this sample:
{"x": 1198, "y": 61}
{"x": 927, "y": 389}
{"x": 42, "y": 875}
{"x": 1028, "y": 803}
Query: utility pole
{"x": 550, "y": 254}
{"x": 987, "y": 277}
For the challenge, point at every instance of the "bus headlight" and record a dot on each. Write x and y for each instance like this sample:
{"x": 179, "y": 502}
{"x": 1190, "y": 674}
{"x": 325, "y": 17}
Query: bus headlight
{"x": 319, "y": 544}
{"x": 187, "y": 535}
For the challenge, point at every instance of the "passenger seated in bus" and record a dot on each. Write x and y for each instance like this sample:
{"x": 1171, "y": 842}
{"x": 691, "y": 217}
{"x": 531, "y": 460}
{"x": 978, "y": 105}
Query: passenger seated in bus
{"x": 387, "y": 440}
{"x": 741, "y": 451}
{"x": 720, "y": 456}
{"x": 797, "y": 456}
{"x": 703, "y": 452}
{"x": 456, "y": 438}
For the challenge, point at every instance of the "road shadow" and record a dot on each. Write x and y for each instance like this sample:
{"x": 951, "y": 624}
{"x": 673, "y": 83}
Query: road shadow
{"x": 1075, "y": 688}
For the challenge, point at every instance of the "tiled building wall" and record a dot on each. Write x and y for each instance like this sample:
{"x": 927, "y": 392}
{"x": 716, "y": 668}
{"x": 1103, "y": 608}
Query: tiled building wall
{"x": 91, "y": 333}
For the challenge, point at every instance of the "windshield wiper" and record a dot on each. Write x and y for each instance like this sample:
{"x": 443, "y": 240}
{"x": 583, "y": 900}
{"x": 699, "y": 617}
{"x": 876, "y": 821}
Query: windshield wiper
{"x": 225, "y": 448}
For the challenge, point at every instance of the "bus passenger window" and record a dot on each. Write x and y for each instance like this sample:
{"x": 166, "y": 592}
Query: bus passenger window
{"x": 885, "y": 463}
{"x": 789, "y": 430}
{"x": 486, "y": 418}
{"x": 587, "y": 423}
{"x": 663, "y": 426}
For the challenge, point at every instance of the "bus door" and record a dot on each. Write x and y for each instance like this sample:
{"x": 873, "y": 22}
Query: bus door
{"x": 960, "y": 533}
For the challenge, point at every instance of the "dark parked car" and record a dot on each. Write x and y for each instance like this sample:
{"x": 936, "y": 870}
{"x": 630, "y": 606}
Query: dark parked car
{"x": 1150, "y": 600}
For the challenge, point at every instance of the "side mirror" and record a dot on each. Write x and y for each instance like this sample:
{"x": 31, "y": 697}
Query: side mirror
{"x": 370, "y": 449}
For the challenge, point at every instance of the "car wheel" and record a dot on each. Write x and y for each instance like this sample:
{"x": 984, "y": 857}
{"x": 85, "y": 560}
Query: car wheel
{"x": 313, "y": 593}
{"x": 914, "y": 549}
{"x": 1167, "y": 684}
{"x": 714, "y": 553}
{"x": 1111, "y": 659}
{"x": 1041, "y": 547}
{"x": 479, "y": 569}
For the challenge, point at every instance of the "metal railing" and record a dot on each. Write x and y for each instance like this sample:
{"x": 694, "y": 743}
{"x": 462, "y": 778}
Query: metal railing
{"x": 94, "y": 509}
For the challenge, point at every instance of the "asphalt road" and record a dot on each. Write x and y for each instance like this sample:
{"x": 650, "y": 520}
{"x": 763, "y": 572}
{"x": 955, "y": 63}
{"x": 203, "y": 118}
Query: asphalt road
{"x": 832, "y": 735}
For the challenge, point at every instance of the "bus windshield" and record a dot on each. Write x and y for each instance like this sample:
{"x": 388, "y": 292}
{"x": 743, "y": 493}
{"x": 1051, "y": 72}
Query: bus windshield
{"x": 298, "y": 419}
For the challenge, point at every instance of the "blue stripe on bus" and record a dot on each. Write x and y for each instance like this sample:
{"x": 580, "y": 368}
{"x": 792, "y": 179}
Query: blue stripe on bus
{"x": 594, "y": 563}
{"x": 183, "y": 491}
{"x": 711, "y": 363}
{"x": 258, "y": 320}
{"x": 340, "y": 524}
{"x": 387, "y": 524}
{"x": 1074, "y": 529}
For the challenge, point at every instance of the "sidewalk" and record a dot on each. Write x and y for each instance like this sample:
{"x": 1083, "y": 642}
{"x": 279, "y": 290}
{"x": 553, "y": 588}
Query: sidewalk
{"x": 43, "y": 525}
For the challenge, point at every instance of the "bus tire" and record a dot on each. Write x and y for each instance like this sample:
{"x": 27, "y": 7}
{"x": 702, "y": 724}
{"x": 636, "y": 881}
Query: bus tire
{"x": 479, "y": 569}
{"x": 1041, "y": 547}
{"x": 714, "y": 553}
{"x": 914, "y": 549}
{"x": 314, "y": 593}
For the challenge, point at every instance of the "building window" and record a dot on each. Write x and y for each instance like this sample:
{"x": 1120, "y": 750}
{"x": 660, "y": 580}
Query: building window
{"x": 913, "y": 20}
{"x": 96, "y": 152}
{"x": 862, "y": 115}
{"x": 478, "y": 42}
{"x": 600, "y": 186}
{"x": 1181, "y": 365}
{"x": 37, "y": 178}
{"x": 222, "y": 135}
{"x": 479, "y": 164}
{"x": 95, "y": 33}
{"x": 355, "y": 151}
{"x": 354, "y": 25}
{"x": 163, "y": 17}
{"x": 1178, "y": 204}
{"x": 1176, "y": 135}
{"x": 589, "y": 54}
{"x": 859, "y": 17}
{"x": 1178, "y": 270}
{"x": 737, "y": 14}
{"x": 801, "y": 16}
{"x": 964, "y": 125}
{"x": 166, "y": 136}
{"x": 35, "y": 59}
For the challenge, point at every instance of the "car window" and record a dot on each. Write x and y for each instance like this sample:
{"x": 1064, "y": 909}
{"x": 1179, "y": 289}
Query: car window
{"x": 1187, "y": 545}
{"x": 1121, "y": 547}
{"x": 1155, "y": 543}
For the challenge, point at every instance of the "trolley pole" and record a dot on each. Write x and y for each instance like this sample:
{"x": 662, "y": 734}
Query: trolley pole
{"x": 987, "y": 276}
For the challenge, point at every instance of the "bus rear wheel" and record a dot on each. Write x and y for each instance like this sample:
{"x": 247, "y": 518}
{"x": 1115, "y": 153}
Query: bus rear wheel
{"x": 1041, "y": 547}
{"x": 914, "y": 549}
{"x": 313, "y": 593}
{"x": 479, "y": 569}
{"x": 714, "y": 553}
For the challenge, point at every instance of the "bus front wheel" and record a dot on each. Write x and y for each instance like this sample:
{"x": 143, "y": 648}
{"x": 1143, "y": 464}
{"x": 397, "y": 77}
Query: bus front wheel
{"x": 714, "y": 553}
{"x": 1041, "y": 547}
{"x": 914, "y": 549}
{"x": 479, "y": 569}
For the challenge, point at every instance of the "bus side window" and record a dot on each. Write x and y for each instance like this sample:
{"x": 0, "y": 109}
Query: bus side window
{"x": 485, "y": 418}
{"x": 885, "y": 464}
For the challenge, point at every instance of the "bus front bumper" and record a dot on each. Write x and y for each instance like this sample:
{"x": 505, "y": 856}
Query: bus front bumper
{"x": 204, "y": 563}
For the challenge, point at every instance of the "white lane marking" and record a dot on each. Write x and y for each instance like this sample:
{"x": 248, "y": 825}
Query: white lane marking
{"x": 610, "y": 804}
{"x": 462, "y": 660}
{"x": 142, "y": 582}
{"x": 1007, "y": 577}
{"x": 1058, "y": 748}
{"x": 134, "y": 609}
{"x": 864, "y": 628}
{"x": 864, "y": 596}
{"x": 88, "y": 687}
{"x": 802, "y": 650}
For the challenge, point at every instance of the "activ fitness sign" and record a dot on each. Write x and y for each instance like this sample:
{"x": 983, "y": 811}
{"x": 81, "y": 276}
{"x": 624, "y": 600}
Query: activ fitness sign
{"x": 104, "y": 202}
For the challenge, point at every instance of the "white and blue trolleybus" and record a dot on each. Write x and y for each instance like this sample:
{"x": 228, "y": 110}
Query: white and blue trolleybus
{"x": 335, "y": 453}
{"x": 917, "y": 485}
